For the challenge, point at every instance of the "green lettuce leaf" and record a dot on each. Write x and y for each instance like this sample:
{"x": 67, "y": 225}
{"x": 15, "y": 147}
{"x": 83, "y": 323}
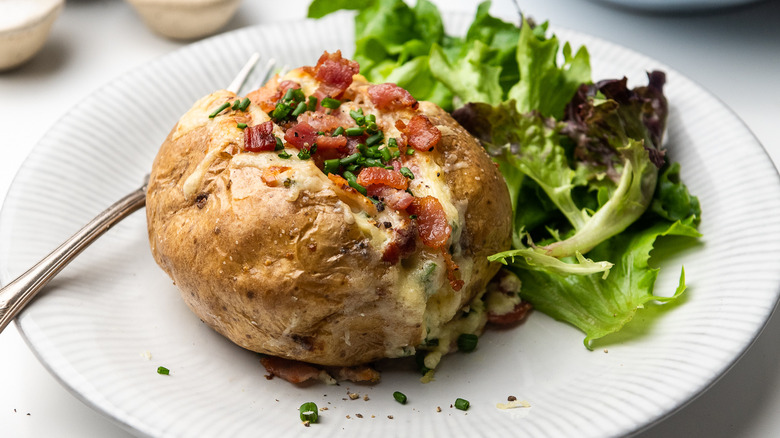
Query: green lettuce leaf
{"x": 599, "y": 306}
{"x": 472, "y": 78}
{"x": 543, "y": 86}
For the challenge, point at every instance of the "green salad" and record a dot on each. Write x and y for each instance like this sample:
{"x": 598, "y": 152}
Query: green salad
{"x": 591, "y": 186}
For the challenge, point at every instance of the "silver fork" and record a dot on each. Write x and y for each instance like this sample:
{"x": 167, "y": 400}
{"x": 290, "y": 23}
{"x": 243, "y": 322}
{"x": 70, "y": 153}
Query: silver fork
{"x": 17, "y": 294}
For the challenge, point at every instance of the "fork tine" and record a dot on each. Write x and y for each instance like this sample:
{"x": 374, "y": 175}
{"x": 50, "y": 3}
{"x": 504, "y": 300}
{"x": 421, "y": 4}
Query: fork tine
{"x": 238, "y": 81}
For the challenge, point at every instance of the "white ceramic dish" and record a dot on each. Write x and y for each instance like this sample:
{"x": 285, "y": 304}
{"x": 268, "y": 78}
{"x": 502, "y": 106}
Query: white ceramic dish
{"x": 95, "y": 323}
{"x": 185, "y": 19}
{"x": 24, "y": 29}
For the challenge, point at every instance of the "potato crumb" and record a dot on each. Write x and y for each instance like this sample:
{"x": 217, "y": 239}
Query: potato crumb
{"x": 147, "y": 355}
{"x": 438, "y": 408}
{"x": 365, "y": 397}
{"x": 353, "y": 395}
{"x": 606, "y": 351}
{"x": 348, "y": 417}
{"x": 359, "y": 415}
{"x": 306, "y": 423}
{"x": 390, "y": 417}
{"x": 324, "y": 408}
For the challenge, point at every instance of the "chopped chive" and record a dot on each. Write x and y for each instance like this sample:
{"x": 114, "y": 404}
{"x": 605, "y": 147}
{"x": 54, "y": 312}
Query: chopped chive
{"x": 338, "y": 131}
{"x": 305, "y": 154}
{"x": 392, "y": 142}
{"x": 299, "y": 109}
{"x": 284, "y": 155}
{"x": 308, "y": 412}
{"x": 353, "y": 167}
{"x": 400, "y": 397}
{"x": 312, "y": 103}
{"x": 358, "y": 116}
{"x": 244, "y": 104}
{"x": 349, "y": 176}
{"x": 362, "y": 148}
{"x": 329, "y": 102}
{"x": 359, "y": 188}
{"x": 374, "y": 139}
{"x": 396, "y": 153}
{"x": 281, "y": 111}
{"x": 279, "y": 145}
{"x": 386, "y": 156}
{"x": 331, "y": 166}
{"x": 352, "y": 180}
{"x": 219, "y": 110}
{"x": 372, "y": 128}
{"x": 289, "y": 94}
{"x": 407, "y": 173}
{"x": 236, "y": 105}
{"x": 467, "y": 342}
{"x": 163, "y": 371}
{"x": 373, "y": 152}
{"x": 409, "y": 151}
{"x": 462, "y": 404}
{"x": 241, "y": 125}
{"x": 373, "y": 162}
{"x": 352, "y": 132}
{"x": 371, "y": 118}
{"x": 350, "y": 159}
{"x": 297, "y": 95}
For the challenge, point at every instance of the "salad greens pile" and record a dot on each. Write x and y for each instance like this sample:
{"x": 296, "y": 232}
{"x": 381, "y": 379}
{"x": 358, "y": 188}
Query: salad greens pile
{"x": 591, "y": 187}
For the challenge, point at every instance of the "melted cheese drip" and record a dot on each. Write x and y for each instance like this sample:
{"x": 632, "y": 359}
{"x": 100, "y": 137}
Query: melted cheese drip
{"x": 223, "y": 132}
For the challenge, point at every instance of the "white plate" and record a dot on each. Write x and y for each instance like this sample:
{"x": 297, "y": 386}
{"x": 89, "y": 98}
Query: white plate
{"x": 95, "y": 321}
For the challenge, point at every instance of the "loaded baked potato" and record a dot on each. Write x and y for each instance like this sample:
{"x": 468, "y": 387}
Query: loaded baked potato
{"x": 325, "y": 219}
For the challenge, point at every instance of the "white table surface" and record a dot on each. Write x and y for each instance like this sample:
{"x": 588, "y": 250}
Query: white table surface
{"x": 734, "y": 53}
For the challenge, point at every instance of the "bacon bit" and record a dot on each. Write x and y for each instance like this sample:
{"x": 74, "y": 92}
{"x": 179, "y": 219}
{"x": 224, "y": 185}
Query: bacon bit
{"x": 321, "y": 121}
{"x": 421, "y": 133}
{"x": 328, "y": 142}
{"x": 514, "y": 316}
{"x": 334, "y": 73}
{"x": 398, "y": 200}
{"x": 400, "y": 125}
{"x": 452, "y": 271}
{"x": 270, "y": 174}
{"x": 403, "y": 244}
{"x": 260, "y": 137}
{"x": 302, "y": 136}
{"x": 292, "y": 371}
{"x": 267, "y": 96}
{"x": 380, "y": 176}
{"x": 389, "y": 96}
{"x": 431, "y": 221}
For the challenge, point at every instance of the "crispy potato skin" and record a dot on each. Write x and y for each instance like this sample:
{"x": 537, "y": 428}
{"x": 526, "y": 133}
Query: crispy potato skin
{"x": 295, "y": 276}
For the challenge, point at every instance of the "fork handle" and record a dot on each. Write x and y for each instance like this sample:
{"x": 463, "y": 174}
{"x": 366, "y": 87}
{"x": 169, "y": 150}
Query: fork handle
{"x": 16, "y": 294}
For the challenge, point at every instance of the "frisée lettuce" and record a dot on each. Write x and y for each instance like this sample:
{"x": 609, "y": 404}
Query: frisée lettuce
{"x": 592, "y": 189}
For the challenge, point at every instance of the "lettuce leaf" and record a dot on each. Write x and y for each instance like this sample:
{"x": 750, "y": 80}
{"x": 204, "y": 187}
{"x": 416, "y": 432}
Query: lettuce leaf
{"x": 599, "y": 306}
{"x": 544, "y": 86}
{"x": 590, "y": 186}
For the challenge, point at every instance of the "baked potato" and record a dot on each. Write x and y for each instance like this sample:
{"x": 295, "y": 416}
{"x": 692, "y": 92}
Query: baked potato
{"x": 324, "y": 219}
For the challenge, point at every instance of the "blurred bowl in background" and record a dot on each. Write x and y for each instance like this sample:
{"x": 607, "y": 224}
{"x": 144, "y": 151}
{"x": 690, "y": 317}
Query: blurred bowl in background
{"x": 677, "y": 5}
{"x": 24, "y": 28}
{"x": 185, "y": 19}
